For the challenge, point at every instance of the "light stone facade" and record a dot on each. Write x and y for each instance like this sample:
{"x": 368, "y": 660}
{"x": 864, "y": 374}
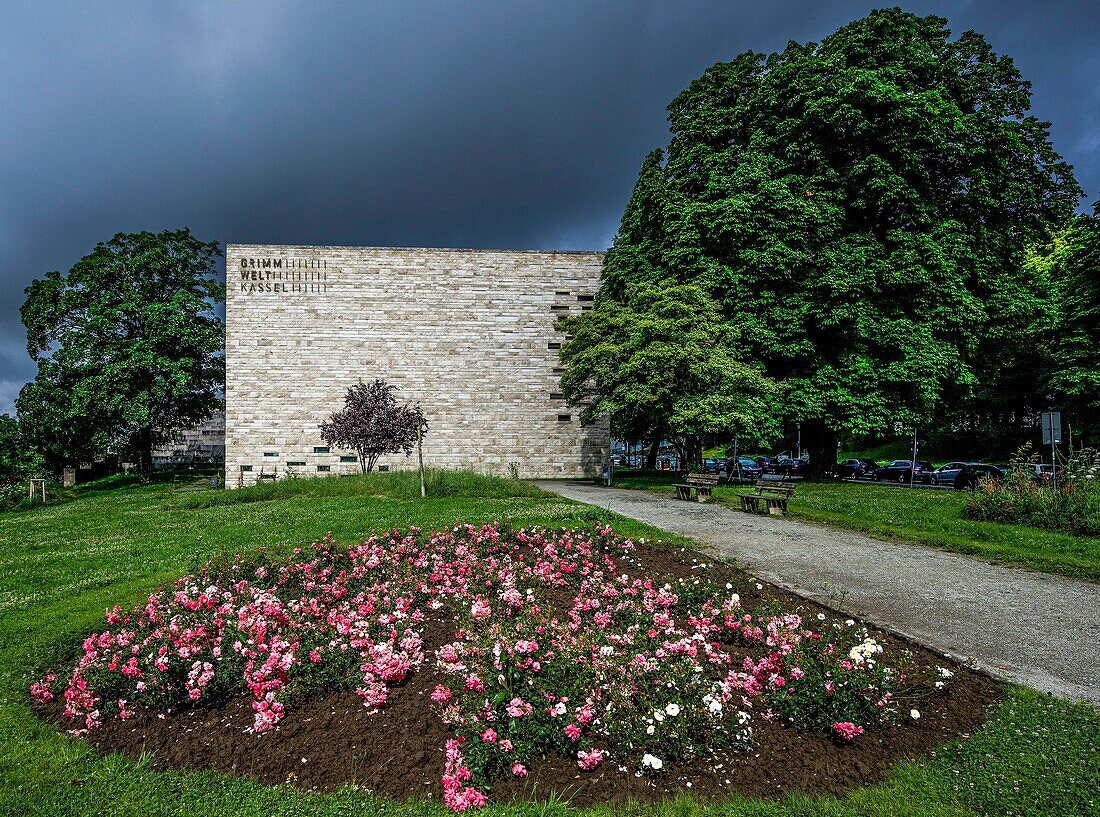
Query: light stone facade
{"x": 469, "y": 334}
{"x": 204, "y": 444}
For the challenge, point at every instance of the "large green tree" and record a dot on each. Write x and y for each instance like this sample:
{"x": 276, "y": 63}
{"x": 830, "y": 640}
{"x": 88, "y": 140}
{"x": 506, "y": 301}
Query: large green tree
{"x": 664, "y": 364}
{"x": 860, "y": 208}
{"x": 128, "y": 346}
{"x": 1075, "y": 379}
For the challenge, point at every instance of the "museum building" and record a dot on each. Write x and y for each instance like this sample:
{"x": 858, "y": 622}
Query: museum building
{"x": 469, "y": 334}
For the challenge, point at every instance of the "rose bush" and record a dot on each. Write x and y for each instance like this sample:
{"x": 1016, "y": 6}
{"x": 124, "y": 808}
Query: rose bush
{"x": 562, "y": 644}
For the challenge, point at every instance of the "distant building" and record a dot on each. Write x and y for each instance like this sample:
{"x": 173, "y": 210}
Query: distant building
{"x": 202, "y": 445}
{"x": 469, "y": 334}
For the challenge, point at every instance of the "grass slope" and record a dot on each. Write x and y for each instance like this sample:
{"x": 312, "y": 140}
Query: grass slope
{"x": 62, "y": 565}
{"x": 921, "y": 516}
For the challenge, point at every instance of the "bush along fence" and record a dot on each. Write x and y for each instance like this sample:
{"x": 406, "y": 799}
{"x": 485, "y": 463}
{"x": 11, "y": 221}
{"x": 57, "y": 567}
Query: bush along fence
{"x": 1073, "y": 506}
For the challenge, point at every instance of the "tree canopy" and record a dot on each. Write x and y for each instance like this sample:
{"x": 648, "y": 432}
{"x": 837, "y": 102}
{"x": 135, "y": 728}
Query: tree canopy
{"x": 372, "y": 423}
{"x": 17, "y": 457}
{"x": 859, "y": 208}
{"x": 128, "y": 346}
{"x": 663, "y": 363}
{"x": 1075, "y": 378}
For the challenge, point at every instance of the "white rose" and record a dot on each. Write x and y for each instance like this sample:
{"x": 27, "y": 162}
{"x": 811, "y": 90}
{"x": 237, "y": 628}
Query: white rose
{"x": 914, "y": 714}
{"x": 673, "y": 710}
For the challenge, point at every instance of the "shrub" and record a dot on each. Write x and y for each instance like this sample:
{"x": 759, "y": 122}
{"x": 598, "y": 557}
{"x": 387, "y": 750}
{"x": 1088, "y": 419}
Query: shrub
{"x": 1073, "y": 506}
{"x": 562, "y": 644}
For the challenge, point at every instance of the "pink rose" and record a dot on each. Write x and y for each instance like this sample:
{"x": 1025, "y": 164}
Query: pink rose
{"x": 441, "y": 694}
{"x": 847, "y": 731}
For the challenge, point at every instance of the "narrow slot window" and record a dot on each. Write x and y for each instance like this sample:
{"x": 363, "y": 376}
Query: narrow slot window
{"x": 553, "y": 345}
{"x": 320, "y": 449}
{"x": 324, "y": 467}
{"x": 349, "y": 459}
{"x": 586, "y": 298}
{"x": 271, "y": 453}
{"x": 246, "y": 467}
{"x": 564, "y": 418}
{"x": 296, "y": 463}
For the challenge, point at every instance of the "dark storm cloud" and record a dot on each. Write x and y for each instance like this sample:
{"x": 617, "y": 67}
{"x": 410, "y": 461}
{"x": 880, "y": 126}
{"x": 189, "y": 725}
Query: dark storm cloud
{"x": 517, "y": 124}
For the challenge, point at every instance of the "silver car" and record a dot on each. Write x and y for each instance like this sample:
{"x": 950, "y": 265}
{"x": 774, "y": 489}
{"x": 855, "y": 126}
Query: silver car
{"x": 945, "y": 474}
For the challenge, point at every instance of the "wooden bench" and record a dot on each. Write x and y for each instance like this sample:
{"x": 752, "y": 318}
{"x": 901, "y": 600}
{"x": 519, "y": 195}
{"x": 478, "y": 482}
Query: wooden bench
{"x": 773, "y": 494}
{"x": 701, "y": 484}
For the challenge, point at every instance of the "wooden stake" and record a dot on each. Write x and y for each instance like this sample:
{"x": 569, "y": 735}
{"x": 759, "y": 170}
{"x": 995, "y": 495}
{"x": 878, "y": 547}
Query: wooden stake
{"x": 420, "y": 455}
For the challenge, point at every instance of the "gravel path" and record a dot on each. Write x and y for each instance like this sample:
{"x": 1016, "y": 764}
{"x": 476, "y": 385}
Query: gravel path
{"x": 1019, "y": 625}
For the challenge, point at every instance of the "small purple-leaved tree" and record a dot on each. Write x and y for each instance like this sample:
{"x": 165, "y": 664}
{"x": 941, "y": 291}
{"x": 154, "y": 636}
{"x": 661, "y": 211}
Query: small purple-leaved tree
{"x": 373, "y": 424}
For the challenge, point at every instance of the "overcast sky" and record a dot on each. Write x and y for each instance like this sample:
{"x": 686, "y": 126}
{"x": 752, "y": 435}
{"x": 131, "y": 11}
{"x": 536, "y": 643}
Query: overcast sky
{"x": 512, "y": 124}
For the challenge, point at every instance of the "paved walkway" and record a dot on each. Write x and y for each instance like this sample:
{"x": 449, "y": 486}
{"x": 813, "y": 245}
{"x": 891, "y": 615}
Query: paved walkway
{"x": 1027, "y": 627}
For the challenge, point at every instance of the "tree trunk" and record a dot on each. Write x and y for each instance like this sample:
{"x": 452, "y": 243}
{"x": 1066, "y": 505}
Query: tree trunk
{"x": 144, "y": 446}
{"x": 692, "y": 447}
{"x": 821, "y": 443}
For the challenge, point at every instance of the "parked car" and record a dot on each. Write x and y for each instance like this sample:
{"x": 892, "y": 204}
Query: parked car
{"x": 904, "y": 471}
{"x": 945, "y": 474}
{"x": 1038, "y": 473}
{"x": 857, "y": 468}
{"x": 767, "y": 463}
{"x": 791, "y": 467}
{"x": 712, "y": 465}
{"x": 743, "y": 468}
{"x": 971, "y": 474}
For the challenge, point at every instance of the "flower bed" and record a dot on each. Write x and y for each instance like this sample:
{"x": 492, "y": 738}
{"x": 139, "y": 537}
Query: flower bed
{"x": 533, "y": 647}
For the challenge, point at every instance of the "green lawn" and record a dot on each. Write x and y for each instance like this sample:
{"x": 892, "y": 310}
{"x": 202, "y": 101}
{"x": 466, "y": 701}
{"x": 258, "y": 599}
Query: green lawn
{"x": 62, "y": 565}
{"x": 922, "y": 516}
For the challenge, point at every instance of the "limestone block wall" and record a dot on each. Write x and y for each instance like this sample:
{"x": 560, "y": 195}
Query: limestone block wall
{"x": 470, "y": 334}
{"x": 205, "y": 443}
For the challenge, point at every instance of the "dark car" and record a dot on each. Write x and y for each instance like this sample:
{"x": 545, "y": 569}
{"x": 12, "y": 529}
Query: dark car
{"x": 945, "y": 474}
{"x": 857, "y": 468}
{"x": 712, "y": 465}
{"x": 973, "y": 473}
{"x": 903, "y": 472}
{"x": 767, "y": 464}
{"x": 743, "y": 469}
{"x": 789, "y": 467}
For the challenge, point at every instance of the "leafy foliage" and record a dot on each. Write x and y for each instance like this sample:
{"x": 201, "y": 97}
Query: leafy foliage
{"x": 373, "y": 424}
{"x": 128, "y": 347}
{"x": 860, "y": 208}
{"x": 663, "y": 363}
{"x": 1073, "y": 506}
{"x": 17, "y": 456}
{"x": 1076, "y": 369}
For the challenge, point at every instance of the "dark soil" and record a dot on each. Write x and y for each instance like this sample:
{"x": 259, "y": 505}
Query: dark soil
{"x": 333, "y": 740}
